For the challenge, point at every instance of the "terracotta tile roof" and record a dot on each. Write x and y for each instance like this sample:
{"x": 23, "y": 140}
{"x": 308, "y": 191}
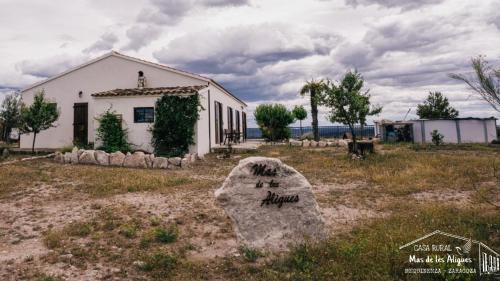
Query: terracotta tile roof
{"x": 151, "y": 91}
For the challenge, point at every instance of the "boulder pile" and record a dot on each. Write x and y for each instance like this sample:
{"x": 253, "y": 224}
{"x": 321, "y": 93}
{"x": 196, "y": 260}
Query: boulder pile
{"x": 137, "y": 159}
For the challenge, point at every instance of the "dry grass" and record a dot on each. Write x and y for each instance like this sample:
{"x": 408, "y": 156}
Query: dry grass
{"x": 139, "y": 244}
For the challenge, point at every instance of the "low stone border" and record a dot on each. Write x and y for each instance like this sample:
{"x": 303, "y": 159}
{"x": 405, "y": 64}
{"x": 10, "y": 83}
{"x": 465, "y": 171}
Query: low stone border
{"x": 307, "y": 143}
{"x": 119, "y": 159}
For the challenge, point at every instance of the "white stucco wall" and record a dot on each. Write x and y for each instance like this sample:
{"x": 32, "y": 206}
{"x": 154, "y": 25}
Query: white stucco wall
{"x": 110, "y": 73}
{"x": 471, "y": 131}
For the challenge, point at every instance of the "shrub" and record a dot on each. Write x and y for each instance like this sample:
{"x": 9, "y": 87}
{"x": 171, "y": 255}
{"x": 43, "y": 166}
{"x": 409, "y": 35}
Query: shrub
{"x": 111, "y": 133}
{"x": 159, "y": 263}
{"x": 273, "y": 120}
{"x": 437, "y": 138}
{"x": 166, "y": 235}
{"x": 174, "y": 124}
{"x": 128, "y": 230}
{"x": 250, "y": 254}
{"x": 52, "y": 239}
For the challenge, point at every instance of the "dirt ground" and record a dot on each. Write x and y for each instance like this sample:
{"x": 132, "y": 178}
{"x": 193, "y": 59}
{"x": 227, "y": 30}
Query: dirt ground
{"x": 39, "y": 204}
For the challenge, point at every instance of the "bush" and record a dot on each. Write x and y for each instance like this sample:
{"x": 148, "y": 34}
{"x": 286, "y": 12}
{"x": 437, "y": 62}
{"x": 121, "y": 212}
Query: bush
{"x": 273, "y": 120}
{"x": 160, "y": 264}
{"x": 174, "y": 124}
{"x": 166, "y": 235}
{"x": 111, "y": 133}
{"x": 250, "y": 254}
{"x": 437, "y": 138}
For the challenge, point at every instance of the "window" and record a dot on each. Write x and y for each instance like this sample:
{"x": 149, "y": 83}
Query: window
{"x": 230, "y": 119}
{"x": 144, "y": 115}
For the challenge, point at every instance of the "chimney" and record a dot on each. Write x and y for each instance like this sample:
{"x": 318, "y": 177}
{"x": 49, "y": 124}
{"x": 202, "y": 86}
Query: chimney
{"x": 141, "y": 80}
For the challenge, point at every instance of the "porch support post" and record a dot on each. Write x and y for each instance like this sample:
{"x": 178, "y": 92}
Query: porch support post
{"x": 459, "y": 136}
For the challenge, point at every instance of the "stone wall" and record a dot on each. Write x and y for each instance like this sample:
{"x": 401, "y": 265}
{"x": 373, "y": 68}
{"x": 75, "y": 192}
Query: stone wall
{"x": 119, "y": 159}
{"x": 307, "y": 143}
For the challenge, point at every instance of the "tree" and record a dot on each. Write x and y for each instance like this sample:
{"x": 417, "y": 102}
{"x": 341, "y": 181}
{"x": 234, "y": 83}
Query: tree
{"x": 10, "y": 114}
{"x": 273, "y": 120}
{"x": 39, "y": 116}
{"x": 436, "y": 106}
{"x": 111, "y": 133}
{"x": 347, "y": 104}
{"x": 437, "y": 137}
{"x": 300, "y": 113}
{"x": 485, "y": 81}
{"x": 315, "y": 90}
{"x": 174, "y": 124}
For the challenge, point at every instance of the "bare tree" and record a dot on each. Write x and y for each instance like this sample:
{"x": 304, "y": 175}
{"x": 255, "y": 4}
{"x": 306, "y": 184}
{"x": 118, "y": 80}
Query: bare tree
{"x": 485, "y": 81}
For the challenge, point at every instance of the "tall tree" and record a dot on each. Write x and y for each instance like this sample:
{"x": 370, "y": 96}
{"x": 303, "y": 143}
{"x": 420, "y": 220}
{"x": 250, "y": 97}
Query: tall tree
{"x": 436, "y": 106}
{"x": 315, "y": 90}
{"x": 10, "y": 114}
{"x": 348, "y": 104}
{"x": 485, "y": 81}
{"x": 300, "y": 114}
{"x": 39, "y": 116}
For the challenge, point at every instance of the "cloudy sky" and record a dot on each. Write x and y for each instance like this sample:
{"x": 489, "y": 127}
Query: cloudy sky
{"x": 264, "y": 50}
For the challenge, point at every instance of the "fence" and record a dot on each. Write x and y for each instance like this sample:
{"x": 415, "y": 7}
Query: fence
{"x": 324, "y": 131}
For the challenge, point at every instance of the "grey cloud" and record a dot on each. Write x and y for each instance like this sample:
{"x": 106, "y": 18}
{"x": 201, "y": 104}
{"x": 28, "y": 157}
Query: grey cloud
{"x": 165, "y": 12}
{"x": 403, "y": 4}
{"x": 141, "y": 35}
{"x": 171, "y": 12}
{"x": 50, "y": 66}
{"x": 242, "y": 50}
{"x": 105, "y": 42}
{"x": 223, "y": 3}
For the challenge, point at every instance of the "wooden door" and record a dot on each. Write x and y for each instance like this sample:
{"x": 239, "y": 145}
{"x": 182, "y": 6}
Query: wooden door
{"x": 219, "y": 123}
{"x": 80, "y": 123}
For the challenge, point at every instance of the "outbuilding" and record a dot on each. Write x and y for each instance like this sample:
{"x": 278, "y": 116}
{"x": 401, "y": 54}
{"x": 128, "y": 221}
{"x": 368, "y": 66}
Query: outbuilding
{"x": 455, "y": 130}
{"x": 130, "y": 87}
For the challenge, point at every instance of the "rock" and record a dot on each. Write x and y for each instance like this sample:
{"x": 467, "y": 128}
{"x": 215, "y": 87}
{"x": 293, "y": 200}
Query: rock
{"x": 102, "y": 157}
{"x": 295, "y": 143}
{"x": 139, "y": 264}
{"x": 160, "y": 163}
{"x": 270, "y": 204}
{"x": 149, "y": 160}
{"x": 66, "y": 257}
{"x": 74, "y": 157}
{"x": 306, "y": 143}
{"x": 87, "y": 157}
{"x": 67, "y": 157}
{"x": 330, "y": 143}
{"x": 322, "y": 144}
{"x": 314, "y": 143}
{"x": 116, "y": 158}
{"x": 187, "y": 156}
{"x": 79, "y": 152}
{"x": 136, "y": 160}
{"x": 175, "y": 161}
{"x": 185, "y": 162}
{"x": 343, "y": 143}
{"x": 194, "y": 157}
{"x": 59, "y": 157}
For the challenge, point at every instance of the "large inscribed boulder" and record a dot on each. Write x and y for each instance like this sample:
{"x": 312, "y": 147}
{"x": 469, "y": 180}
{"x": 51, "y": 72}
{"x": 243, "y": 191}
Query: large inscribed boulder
{"x": 271, "y": 204}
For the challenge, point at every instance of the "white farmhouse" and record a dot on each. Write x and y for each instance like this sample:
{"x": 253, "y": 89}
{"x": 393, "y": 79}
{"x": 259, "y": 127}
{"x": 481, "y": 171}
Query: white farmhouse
{"x": 130, "y": 87}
